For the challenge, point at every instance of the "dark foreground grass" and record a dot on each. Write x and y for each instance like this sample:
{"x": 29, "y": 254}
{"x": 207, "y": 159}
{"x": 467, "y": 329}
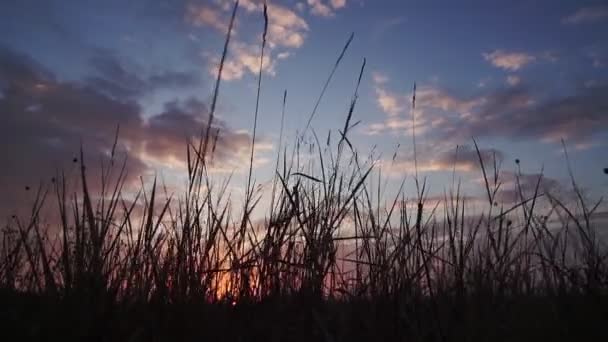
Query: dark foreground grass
{"x": 331, "y": 260}
{"x": 296, "y": 318}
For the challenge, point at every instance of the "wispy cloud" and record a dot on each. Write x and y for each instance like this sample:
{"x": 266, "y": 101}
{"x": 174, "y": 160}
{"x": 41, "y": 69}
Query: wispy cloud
{"x": 395, "y": 106}
{"x": 379, "y": 78}
{"x": 391, "y": 103}
{"x": 283, "y": 55}
{"x": 317, "y": 7}
{"x": 245, "y": 58}
{"x": 437, "y": 98}
{"x": 286, "y": 31}
{"x": 285, "y": 27}
{"x": 338, "y": 3}
{"x": 325, "y": 8}
{"x": 445, "y": 157}
{"x": 201, "y": 15}
{"x": 511, "y": 61}
{"x": 587, "y": 15}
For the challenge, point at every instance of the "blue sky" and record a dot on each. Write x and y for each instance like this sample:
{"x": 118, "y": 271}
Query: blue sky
{"x": 517, "y": 75}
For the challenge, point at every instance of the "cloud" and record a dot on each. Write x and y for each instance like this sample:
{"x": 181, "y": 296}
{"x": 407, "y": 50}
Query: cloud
{"x": 244, "y": 58}
{"x": 390, "y": 102}
{"x": 325, "y": 8}
{"x": 511, "y": 61}
{"x": 201, "y": 15}
{"x": 395, "y": 105}
{"x": 173, "y": 79}
{"x": 283, "y": 55}
{"x": 379, "y": 78}
{"x": 395, "y": 125}
{"x": 286, "y": 31}
{"x": 439, "y": 201}
{"x": 164, "y": 135}
{"x": 514, "y": 111}
{"x": 587, "y": 15}
{"x": 443, "y": 158}
{"x": 113, "y": 76}
{"x": 466, "y": 158}
{"x": 515, "y": 186}
{"x": 317, "y": 7}
{"x": 45, "y": 121}
{"x": 513, "y": 80}
{"x": 336, "y": 4}
{"x": 433, "y": 97}
{"x": 285, "y": 27}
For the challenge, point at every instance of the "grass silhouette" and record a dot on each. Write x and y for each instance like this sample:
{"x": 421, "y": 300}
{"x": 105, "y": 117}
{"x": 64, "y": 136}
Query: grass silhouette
{"x": 157, "y": 267}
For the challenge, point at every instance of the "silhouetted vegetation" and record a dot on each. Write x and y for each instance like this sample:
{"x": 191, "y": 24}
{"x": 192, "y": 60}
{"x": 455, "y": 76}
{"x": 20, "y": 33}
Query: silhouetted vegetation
{"x": 332, "y": 259}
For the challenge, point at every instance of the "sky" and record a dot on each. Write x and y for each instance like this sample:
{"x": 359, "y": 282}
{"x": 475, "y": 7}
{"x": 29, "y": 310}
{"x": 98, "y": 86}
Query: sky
{"x": 517, "y": 76}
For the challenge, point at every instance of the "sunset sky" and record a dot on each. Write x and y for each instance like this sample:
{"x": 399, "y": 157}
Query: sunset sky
{"x": 516, "y": 75}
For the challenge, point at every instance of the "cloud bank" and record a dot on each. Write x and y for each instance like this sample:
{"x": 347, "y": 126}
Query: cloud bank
{"x": 45, "y": 121}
